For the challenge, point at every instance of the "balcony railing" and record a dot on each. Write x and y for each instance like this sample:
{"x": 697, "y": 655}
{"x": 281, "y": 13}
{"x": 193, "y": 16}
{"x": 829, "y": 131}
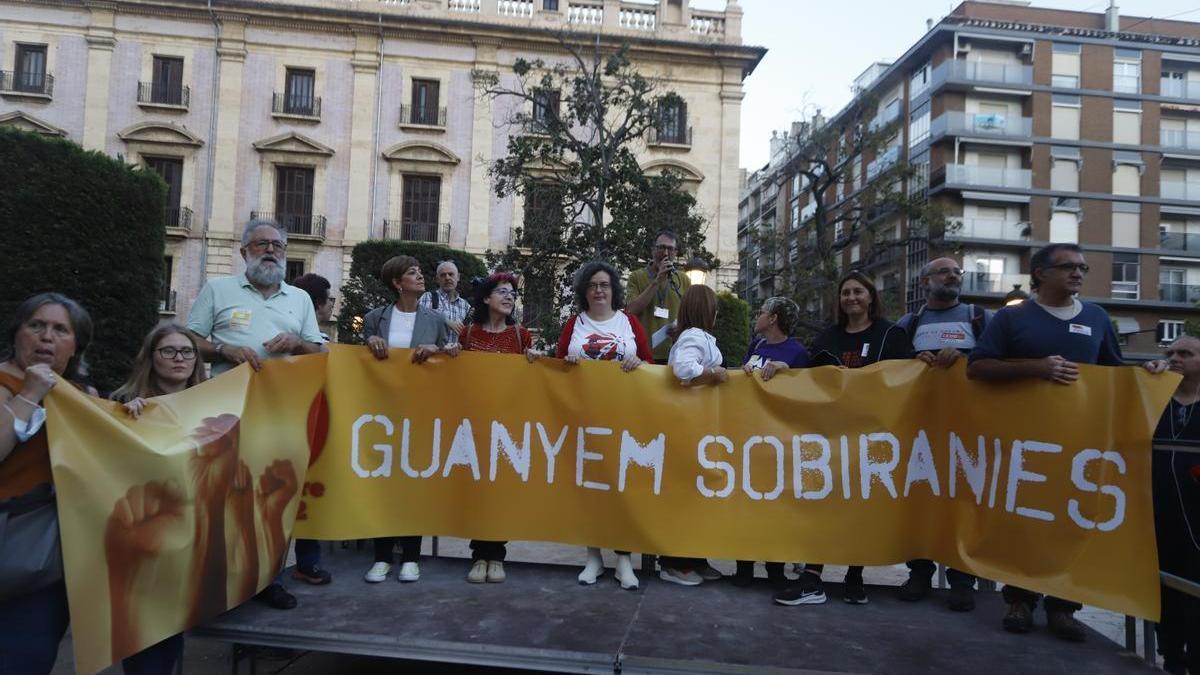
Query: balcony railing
{"x": 1125, "y": 290}
{"x": 427, "y": 116}
{"x": 167, "y": 304}
{"x": 883, "y": 162}
{"x": 1179, "y": 190}
{"x": 180, "y": 217}
{"x": 987, "y": 282}
{"x": 884, "y": 117}
{"x": 302, "y": 106}
{"x": 410, "y": 231}
{"x": 984, "y": 71}
{"x": 37, "y": 84}
{"x": 670, "y": 136}
{"x": 981, "y": 124}
{"x": 1179, "y": 241}
{"x": 987, "y": 228}
{"x": 1178, "y": 138}
{"x": 585, "y": 13}
{"x": 1179, "y": 293}
{"x": 1189, "y": 89}
{"x": 305, "y": 224}
{"x": 151, "y": 94}
{"x": 970, "y": 174}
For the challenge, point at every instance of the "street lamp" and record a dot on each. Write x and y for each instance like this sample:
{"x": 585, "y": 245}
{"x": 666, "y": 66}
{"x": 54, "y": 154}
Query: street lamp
{"x": 696, "y": 270}
{"x": 1016, "y": 296}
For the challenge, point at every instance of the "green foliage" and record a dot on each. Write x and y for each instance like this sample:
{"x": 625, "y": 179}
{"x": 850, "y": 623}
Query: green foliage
{"x": 576, "y": 166}
{"x": 363, "y": 290}
{"x": 86, "y": 225}
{"x": 733, "y": 328}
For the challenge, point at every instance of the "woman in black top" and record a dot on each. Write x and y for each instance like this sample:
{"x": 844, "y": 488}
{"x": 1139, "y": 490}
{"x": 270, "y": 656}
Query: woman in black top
{"x": 860, "y": 337}
{"x": 1177, "y": 509}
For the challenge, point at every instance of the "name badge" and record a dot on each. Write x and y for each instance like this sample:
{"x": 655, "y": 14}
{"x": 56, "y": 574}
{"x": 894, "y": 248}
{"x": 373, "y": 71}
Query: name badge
{"x": 866, "y": 350}
{"x": 661, "y": 313}
{"x": 1080, "y": 329}
{"x": 239, "y": 318}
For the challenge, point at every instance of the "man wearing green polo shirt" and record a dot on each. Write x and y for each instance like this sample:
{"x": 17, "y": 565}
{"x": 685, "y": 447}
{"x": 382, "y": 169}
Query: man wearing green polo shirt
{"x": 657, "y": 289}
{"x": 255, "y": 316}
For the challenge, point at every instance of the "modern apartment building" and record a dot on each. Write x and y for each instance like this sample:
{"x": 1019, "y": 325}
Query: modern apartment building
{"x": 1028, "y": 126}
{"x": 348, "y": 120}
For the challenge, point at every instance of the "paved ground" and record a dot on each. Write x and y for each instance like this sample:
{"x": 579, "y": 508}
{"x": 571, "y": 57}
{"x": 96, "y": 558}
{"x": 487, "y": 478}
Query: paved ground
{"x": 718, "y": 623}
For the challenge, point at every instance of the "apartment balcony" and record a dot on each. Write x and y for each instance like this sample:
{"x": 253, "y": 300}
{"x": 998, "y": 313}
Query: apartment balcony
{"x": 1181, "y": 140}
{"x": 1125, "y": 290}
{"x": 1184, "y": 293}
{"x": 179, "y": 218}
{"x": 422, "y": 116}
{"x": 434, "y": 233}
{"x": 984, "y": 72}
{"x": 1179, "y": 241}
{"x": 883, "y": 162}
{"x": 987, "y": 282}
{"x": 1171, "y": 88}
{"x": 884, "y": 117}
{"x": 882, "y": 254}
{"x": 1188, "y": 191}
{"x": 299, "y": 107}
{"x": 981, "y": 125}
{"x": 29, "y": 85}
{"x": 680, "y": 137}
{"x": 983, "y": 176}
{"x": 166, "y": 304}
{"x": 991, "y": 229}
{"x": 151, "y": 95}
{"x": 301, "y": 224}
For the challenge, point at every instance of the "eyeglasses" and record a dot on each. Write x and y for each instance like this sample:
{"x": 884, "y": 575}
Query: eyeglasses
{"x": 507, "y": 293}
{"x": 942, "y": 271}
{"x": 264, "y": 244}
{"x": 169, "y": 353}
{"x": 599, "y": 286}
{"x": 1070, "y": 267}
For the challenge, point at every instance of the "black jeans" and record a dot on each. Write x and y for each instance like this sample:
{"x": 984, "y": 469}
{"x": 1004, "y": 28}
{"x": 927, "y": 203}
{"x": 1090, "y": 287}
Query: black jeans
{"x": 956, "y": 578}
{"x": 1052, "y": 604}
{"x": 774, "y": 569}
{"x": 488, "y": 550}
{"x": 853, "y": 573}
{"x": 410, "y": 549}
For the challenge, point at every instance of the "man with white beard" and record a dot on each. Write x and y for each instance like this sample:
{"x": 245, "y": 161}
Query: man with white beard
{"x": 255, "y": 316}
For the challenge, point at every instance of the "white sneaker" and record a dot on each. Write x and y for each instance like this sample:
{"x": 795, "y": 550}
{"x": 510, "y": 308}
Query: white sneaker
{"x": 681, "y": 577}
{"x": 478, "y": 573}
{"x": 377, "y": 573}
{"x": 624, "y": 573}
{"x": 594, "y": 569}
{"x": 409, "y": 571}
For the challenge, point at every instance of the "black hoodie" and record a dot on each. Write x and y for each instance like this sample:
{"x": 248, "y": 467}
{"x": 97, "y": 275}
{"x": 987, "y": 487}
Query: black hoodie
{"x": 881, "y": 341}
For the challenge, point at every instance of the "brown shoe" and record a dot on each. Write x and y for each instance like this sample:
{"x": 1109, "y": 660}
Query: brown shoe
{"x": 1019, "y": 618}
{"x": 1064, "y": 626}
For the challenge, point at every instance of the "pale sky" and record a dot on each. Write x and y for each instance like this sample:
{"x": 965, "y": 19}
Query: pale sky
{"x": 817, "y": 47}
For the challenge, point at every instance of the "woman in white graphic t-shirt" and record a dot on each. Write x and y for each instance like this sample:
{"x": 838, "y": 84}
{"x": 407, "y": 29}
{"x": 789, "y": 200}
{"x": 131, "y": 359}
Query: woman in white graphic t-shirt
{"x": 601, "y": 330}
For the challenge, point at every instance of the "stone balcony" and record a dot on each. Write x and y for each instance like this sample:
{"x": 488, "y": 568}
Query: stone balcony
{"x": 647, "y": 18}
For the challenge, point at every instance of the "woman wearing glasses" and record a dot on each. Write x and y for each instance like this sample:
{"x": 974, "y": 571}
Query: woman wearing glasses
{"x": 602, "y": 330}
{"x": 491, "y": 327}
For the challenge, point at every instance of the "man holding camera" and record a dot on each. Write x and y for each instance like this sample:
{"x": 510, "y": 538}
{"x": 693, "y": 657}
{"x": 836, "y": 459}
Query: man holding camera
{"x": 657, "y": 289}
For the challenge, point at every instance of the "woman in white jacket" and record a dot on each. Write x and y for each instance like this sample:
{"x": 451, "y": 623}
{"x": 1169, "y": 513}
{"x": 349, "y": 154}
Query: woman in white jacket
{"x": 694, "y": 359}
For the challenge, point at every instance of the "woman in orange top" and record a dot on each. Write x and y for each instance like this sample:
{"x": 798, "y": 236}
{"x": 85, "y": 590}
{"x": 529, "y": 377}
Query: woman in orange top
{"x": 48, "y": 335}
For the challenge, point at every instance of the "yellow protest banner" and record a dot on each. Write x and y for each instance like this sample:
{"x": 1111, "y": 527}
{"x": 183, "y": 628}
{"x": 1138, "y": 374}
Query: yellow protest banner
{"x": 1041, "y": 485}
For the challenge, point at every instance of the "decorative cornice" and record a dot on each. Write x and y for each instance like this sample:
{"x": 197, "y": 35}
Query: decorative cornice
{"x": 159, "y": 132}
{"x": 105, "y": 42}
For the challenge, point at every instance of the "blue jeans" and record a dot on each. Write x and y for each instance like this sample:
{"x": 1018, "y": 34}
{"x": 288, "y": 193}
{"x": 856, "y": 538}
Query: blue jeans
{"x": 33, "y": 625}
{"x": 159, "y": 659}
{"x": 308, "y": 553}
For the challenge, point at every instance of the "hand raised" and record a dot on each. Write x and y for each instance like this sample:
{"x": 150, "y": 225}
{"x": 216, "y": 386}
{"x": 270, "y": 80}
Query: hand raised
{"x": 276, "y": 487}
{"x": 142, "y": 522}
{"x": 216, "y": 457}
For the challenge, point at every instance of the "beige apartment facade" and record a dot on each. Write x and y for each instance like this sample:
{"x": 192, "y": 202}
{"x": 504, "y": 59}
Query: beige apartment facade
{"x": 348, "y": 120}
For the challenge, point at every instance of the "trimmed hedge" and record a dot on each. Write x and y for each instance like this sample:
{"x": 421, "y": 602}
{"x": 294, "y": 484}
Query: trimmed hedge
{"x": 363, "y": 290}
{"x": 84, "y": 224}
{"x": 733, "y": 328}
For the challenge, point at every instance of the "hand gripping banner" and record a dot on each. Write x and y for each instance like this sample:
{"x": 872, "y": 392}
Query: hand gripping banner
{"x": 1032, "y": 483}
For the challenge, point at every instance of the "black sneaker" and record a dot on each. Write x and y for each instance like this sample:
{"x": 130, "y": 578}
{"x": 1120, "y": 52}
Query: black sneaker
{"x": 1064, "y": 626}
{"x": 1019, "y": 618}
{"x": 962, "y": 598}
{"x": 312, "y": 575}
{"x": 853, "y": 592}
{"x": 807, "y": 590}
{"x": 276, "y": 596}
{"x": 915, "y": 588}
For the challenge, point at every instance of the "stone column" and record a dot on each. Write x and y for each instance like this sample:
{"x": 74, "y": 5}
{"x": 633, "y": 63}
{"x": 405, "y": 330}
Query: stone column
{"x": 479, "y": 213}
{"x": 359, "y": 214}
{"x": 724, "y": 240}
{"x": 224, "y": 222}
{"x": 101, "y": 38}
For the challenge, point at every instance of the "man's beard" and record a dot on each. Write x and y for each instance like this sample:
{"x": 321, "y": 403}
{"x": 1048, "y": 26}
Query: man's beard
{"x": 259, "y": 275}
{"x": 945, "y": 293}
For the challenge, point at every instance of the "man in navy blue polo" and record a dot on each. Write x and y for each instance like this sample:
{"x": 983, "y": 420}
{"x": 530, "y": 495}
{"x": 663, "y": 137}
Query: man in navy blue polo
{"x": 1045, "y": 337}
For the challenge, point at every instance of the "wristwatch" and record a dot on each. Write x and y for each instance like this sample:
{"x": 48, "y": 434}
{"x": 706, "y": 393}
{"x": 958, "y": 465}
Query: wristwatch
{"x": 219, "y": 348}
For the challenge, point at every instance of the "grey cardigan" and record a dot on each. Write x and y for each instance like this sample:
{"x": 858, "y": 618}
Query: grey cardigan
{"x": 428, "y": 329}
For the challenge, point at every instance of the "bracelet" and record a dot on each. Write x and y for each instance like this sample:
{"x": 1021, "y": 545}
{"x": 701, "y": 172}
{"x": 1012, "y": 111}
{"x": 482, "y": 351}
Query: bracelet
{"x": 35, "y": 405}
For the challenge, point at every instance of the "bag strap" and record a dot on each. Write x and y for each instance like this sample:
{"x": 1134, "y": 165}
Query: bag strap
{"x": 978, "y": 318}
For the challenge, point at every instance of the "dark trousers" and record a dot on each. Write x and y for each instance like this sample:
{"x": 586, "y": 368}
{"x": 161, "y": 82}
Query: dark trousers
{"x": 159, "y": 659}
{"x": 308, "y": 553}
{"x": 1052, "y": 604}
{"x": 488, "y": 550}
{"x": 774, "y": 569}
{"x": 681, "y": 563}
{"x": 410, "y": 549}
{"x": 1178, "y": 632}
{"x": 32, "y": 626}
{"x": 853, "y": 573}
{"x": 1179, "y": 627}
{"x": 956, "y": 578}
